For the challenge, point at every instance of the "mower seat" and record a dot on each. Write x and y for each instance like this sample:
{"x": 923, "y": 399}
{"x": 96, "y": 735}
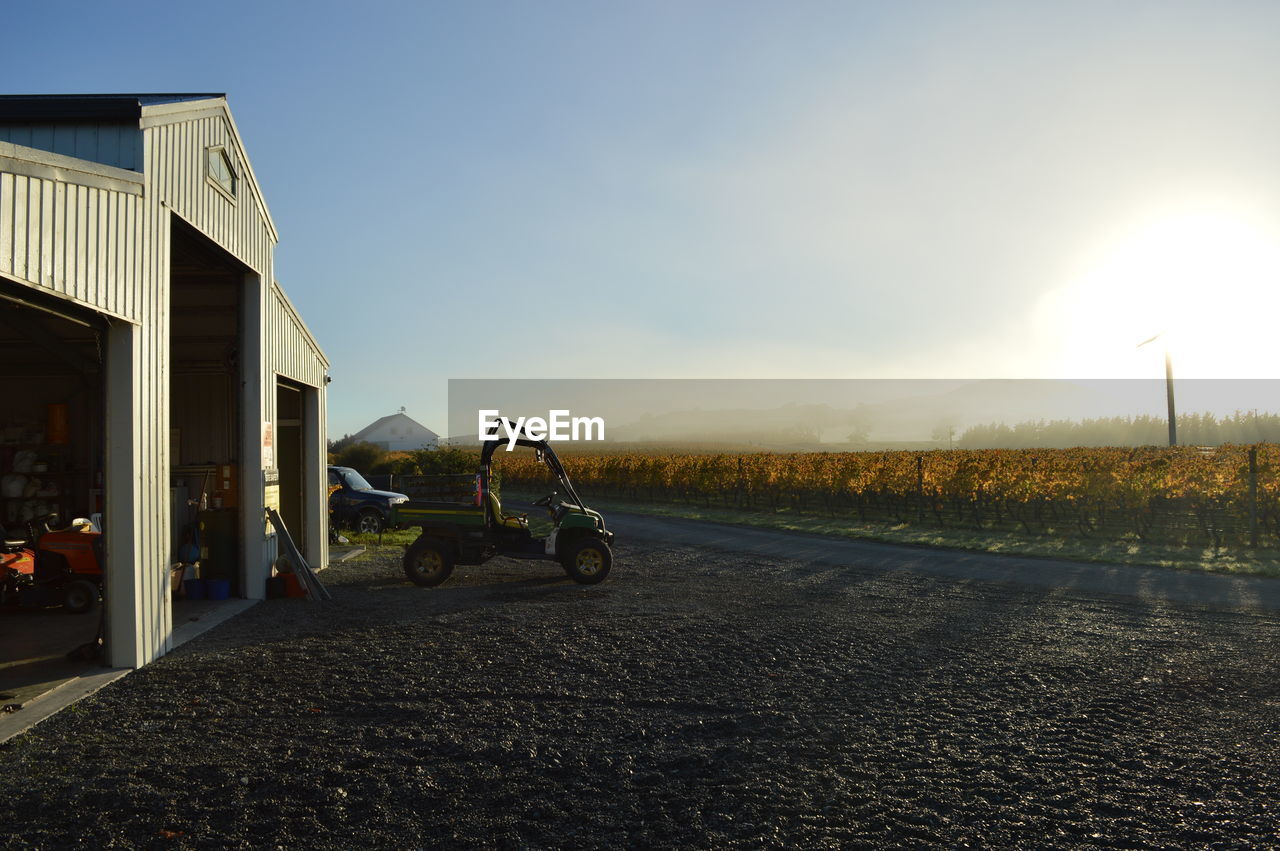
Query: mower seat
{"x": 10, "y": 545}
{"x": 507, "y": 521}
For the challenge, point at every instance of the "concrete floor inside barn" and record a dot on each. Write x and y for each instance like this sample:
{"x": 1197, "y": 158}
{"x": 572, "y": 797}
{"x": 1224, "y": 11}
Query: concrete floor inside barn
{"x": 34, "y": 644}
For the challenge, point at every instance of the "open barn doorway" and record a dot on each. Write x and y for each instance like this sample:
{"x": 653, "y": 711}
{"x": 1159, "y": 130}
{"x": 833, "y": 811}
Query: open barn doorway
{"x": 206, "y": 286}
{"x": 289, "y": 459}
{"x": 52, "y": 427}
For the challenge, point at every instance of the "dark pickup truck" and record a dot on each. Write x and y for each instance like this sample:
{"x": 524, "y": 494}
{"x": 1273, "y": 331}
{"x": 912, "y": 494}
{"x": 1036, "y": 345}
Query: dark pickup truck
{"x": 354, "y": 504}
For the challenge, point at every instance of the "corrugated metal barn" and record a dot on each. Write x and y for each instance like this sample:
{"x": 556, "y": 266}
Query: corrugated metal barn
{"x": 149, "y": 356}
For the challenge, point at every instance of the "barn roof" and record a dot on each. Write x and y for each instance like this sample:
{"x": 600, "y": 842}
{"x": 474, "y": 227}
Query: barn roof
{"x": 88, "y": 107}
{"x": 140, "y": 109}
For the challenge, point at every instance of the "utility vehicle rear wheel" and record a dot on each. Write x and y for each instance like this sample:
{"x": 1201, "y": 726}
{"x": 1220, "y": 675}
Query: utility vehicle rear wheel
{"x": 588, "y": 562}
{"x": 428, "y": 562}
{"x": 80, "y": 596}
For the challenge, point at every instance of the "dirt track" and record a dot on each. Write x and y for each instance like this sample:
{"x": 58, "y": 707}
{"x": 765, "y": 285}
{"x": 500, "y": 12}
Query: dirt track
{"x": 697, "y": 698}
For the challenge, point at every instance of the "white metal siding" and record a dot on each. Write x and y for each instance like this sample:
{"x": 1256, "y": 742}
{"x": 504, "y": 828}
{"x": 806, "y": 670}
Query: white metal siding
{"x": 95, "y": 246}
{"x": 176, "y": 184}
{"x": 151, "y": 433}
{"x": 81, "y": 242}
{"x": 177, "y": 181}
{"x": 176, "y": 178}
{"x": 290, "y": 350}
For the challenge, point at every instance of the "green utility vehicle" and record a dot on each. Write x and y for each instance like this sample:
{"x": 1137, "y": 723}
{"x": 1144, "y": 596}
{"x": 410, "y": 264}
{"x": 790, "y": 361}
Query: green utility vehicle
{"x": 475, "y": 531}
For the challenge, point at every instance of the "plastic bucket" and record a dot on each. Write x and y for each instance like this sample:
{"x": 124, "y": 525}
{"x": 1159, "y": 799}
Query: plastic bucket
{"x": 292, "y": 587}
{"x": 193, "y": 588}
{"x": 217, "y": 589}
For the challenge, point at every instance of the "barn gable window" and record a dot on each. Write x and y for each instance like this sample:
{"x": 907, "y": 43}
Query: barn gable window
{"x": 222, "y": 173}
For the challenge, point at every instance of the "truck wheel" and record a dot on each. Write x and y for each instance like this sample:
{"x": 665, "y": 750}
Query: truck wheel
{"x": 588, "y": 562}
{"x": 428, "y": 562}
{"x": 370, "y": 522}
{"x": 80, "y": 596}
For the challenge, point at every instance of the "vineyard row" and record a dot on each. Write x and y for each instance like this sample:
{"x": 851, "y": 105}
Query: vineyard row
{"x": 1226, "y": 497}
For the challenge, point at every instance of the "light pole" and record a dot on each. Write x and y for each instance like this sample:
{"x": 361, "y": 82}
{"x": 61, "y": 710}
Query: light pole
{"x": 1168, "y": 389}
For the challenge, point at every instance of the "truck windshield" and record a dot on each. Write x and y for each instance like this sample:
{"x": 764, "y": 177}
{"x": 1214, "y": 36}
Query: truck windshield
{"x": 355, "y": 481}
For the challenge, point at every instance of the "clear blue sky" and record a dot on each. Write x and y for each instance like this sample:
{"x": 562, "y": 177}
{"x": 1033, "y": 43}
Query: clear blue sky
{"x": 724, "y": 189}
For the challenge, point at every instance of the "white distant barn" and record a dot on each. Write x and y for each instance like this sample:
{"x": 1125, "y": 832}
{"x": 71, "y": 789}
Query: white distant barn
{"x": 398, "y": 433}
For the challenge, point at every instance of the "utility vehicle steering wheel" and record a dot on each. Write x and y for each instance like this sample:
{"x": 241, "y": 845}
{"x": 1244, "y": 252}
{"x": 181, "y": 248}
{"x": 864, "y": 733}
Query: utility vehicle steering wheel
{"x": 546, "y": 501}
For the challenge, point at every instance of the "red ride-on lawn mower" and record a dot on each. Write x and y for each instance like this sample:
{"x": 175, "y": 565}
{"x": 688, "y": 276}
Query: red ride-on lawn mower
{"x": 52, "y": 567}
{"x": 17, "y": 564}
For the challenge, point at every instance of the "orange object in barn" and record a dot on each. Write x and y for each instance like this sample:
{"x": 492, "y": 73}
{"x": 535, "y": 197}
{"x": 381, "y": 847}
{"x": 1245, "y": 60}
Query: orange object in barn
{"x": 78, "y": 546}
{"x": 59, "y": 424}
{"x": 18, "y": 561}
{"x": 17, "y": 564}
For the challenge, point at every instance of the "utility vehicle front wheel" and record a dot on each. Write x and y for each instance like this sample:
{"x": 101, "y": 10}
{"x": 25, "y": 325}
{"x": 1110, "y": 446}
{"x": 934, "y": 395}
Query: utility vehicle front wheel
{"x": 428, "y": 562}
{"x": 588, "y": 562}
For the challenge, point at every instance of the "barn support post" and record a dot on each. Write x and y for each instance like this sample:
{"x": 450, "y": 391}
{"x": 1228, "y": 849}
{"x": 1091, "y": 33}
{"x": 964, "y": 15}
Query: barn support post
{"x": 315, "y": 478}
{"x": 255, "y": 538}
{"x": 121, "y": 495}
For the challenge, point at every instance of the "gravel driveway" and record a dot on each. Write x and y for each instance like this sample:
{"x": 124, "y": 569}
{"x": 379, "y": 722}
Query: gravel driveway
{"x": 698, "y": 698}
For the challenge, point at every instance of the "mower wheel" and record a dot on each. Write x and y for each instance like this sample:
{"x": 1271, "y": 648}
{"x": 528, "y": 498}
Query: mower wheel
{"x": 80, "y": 596}
{"x": 588, "y": 562}
{"x": 369, "y": 522}
{"x": 428, "y": 562}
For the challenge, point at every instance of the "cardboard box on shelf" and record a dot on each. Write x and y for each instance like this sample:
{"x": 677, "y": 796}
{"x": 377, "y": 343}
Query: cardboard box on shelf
{"x": 226, "y": 487}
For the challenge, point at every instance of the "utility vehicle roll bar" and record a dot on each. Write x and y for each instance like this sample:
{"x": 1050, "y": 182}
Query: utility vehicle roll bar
{"x": 548, "y": 454}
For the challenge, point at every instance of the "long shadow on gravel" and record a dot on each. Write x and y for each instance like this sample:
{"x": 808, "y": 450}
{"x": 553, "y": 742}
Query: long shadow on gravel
{"x": 695, "y": 699}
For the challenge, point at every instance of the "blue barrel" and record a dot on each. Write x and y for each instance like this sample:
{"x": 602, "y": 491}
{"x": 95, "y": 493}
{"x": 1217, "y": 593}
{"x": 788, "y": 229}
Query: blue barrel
{"x": 217, "y": 589}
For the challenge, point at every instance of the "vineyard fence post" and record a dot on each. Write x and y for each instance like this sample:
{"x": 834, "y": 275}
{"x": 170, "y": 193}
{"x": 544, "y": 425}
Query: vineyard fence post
{"x": 920, "y": 489}
{"x": 1253, "y": 497}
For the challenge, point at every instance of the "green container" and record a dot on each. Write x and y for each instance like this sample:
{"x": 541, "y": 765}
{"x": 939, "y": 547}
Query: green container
{"x": 220, "y": 544}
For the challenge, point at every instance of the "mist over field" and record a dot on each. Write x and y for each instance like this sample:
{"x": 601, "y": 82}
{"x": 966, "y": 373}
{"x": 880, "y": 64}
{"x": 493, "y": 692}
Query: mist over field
{"x": 880, "y": 414}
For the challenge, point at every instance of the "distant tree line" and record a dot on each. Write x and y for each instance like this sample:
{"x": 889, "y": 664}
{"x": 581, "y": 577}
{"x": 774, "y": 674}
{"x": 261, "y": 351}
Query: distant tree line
{"x": 1193, "y": 430}
{"x": 372, "y": 460}
{"x": 341, "y": 443}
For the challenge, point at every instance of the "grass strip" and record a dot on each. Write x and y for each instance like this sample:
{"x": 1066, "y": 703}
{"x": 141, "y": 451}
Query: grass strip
{"x": 1262, "y": 562}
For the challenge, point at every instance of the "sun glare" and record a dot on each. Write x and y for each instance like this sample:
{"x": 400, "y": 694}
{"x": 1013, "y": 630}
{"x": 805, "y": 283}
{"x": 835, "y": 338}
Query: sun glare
{"x": 1208, "y": 283}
